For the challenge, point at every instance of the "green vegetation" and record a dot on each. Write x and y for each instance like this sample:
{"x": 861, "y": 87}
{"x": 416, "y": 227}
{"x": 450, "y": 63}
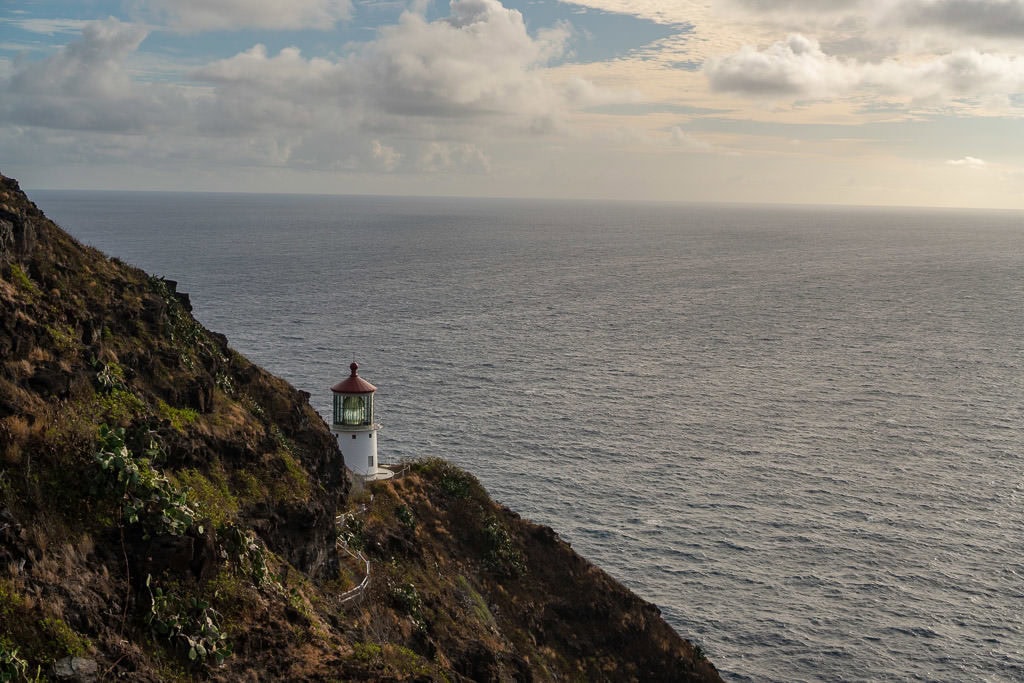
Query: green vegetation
{"x": 63, "y": 639}
{"x": 119, "y": 406}
{"x": 178, "y": 417}
{"x": 293, "y": 484}
{"x": 14, "y": 668}
{"x": 475, "y": 601}
{"x": 145, "y": 495}
{"x": 42, "y": 640}
{"x": 405, "y": 597}
{"x": 64, "y": 338}
{"x": 20, "y": 278}
{"x": 455, "y": 483}
{"x": 351, "y": 531}
{"x": 208, "y": 493}
{"x": 367, "y": 652}
{"x": 110, "y": 375}
{"x": 405, "y": 516}
{"x": 502, "y": 556}
{"x": 188, "y": 624}
{"x": 246, "y": 553}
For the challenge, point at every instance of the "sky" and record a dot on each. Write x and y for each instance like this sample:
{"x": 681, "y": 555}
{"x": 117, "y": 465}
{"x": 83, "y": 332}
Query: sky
{"x": 864, "y": 102}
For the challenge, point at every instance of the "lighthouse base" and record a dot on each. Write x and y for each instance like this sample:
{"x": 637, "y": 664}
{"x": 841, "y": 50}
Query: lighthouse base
{"x": 380, "y": 475}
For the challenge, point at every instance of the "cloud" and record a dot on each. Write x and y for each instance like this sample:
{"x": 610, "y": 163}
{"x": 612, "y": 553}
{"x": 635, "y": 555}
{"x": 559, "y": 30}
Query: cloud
{"x": 421, "y": 95}
{"x": 47, "y": 27}
{"x": 967, "y": 73}
{"x": 286, "y": 73}
{"x": 90, "y": 66}
{"x": 478, "y": 63}
{"x": 85, "y": 85}
{"x": 816, "y": 6}
{"x": 799, "y": 68}
{"x": 796, "y": 66}
{"x": 968, "y": 162}
{"x": 681, "y": 138}
{"x": 662, "y": 11}
{"x": 996, "y": 18}
{"x": 438, "y": 157}
{"x": 386, "y": 157}
{"x": 876, "y": 18}
{"x": 478, "y": 60}
{"x": 229, "y": 15}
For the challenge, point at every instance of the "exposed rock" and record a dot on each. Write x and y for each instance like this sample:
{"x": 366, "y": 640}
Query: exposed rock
{"x": 77, "y": 669}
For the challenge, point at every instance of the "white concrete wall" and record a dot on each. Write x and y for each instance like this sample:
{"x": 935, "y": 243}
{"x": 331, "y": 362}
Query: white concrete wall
{"x": 360, "y": 452}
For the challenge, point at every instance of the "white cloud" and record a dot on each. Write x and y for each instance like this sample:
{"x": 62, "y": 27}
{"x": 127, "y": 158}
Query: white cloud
{"x": 438, "y": 157}
{"x": 47, "y": 27}
{"x": 85, "y": 85}
{"x": 481, "y": 59}
{"x": 422, "y": 95}
{"x": 968, "y": 162}
{"x": 796, "y": 66}
{"x": 288, "y": 71}
{"x": 229, "y": 15}
{"x": 91, "y": 66}
{"x": 681, "y": 138}
{"x": 479, "y": 64}
{"x": 387, "y": 157}
{"x": 799, "y": 68}
{"x": 966, "y": 73}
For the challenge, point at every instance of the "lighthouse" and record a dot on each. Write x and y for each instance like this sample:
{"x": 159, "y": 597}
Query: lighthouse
{"x": 354, "y": 427}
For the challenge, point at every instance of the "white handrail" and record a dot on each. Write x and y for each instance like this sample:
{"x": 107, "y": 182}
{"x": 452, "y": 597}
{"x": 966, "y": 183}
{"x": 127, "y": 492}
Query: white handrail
{"x": 358, "y": 591}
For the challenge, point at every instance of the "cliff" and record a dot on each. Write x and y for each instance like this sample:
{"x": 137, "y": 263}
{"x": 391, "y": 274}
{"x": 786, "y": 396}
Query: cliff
{"x": 169, "y": 511}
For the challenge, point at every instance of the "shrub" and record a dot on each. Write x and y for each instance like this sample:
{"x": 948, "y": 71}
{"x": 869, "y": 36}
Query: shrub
{"x": 404, "y": 596}
{"x": 502, "y": 555}
{"x": 13, "y": 667}
{"x": 403, "y": 513}
{"x": 145, "y": 495}
{"x": 178, "y": 417}
{"x": 209, "y": 494}
{"x": 190, "y": 625}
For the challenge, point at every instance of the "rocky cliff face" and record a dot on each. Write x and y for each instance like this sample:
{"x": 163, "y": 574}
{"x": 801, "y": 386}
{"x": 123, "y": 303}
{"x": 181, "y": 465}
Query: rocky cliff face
{"x": 168, "y": 511}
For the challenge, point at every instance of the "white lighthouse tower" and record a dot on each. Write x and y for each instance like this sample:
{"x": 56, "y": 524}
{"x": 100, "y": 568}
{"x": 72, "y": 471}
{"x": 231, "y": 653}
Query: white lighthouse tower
{"x": 354, "y": 426}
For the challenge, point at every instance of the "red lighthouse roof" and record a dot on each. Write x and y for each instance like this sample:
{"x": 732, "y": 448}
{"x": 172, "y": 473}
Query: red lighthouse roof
{"x": 353, "y": 384}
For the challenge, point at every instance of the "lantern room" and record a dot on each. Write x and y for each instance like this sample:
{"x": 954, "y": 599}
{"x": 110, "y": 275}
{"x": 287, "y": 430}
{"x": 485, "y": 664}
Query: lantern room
{"x": 354, "y": 427}
{"x": 353, "y": 401}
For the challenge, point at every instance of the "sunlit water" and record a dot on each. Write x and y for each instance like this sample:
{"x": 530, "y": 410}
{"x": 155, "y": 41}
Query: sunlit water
{"x": 798, "y": 431}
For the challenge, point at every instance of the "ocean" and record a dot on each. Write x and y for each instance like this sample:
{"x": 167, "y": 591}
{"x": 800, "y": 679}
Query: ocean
{"x": 799, "y": 431}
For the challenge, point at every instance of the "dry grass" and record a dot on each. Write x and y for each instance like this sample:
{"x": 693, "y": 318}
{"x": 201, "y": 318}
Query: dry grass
{"x": 14, "y": 432}
{"x": 39, "y": 355}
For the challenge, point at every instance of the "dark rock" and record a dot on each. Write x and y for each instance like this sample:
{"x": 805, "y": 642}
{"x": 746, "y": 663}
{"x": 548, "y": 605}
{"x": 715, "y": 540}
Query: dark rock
{"x": 168, "y": 554}
{"x": 49, "y": 380}
{"x": 6, "y": 238}
{"x": 184, "y": 300}
{"x": 14, "y": 551}
{"x": 154, "y": 310}
{"x": 199, "y": 395}
{"x": 78, "y": 669}
{"x": 220, "y": 339}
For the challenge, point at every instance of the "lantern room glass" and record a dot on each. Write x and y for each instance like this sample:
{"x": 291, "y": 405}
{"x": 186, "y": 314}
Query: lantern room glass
{"x": 353, "y": 410}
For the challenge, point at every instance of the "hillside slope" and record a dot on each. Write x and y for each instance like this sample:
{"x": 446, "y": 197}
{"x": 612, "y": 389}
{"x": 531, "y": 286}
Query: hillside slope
{"x": 169, "y": 511}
